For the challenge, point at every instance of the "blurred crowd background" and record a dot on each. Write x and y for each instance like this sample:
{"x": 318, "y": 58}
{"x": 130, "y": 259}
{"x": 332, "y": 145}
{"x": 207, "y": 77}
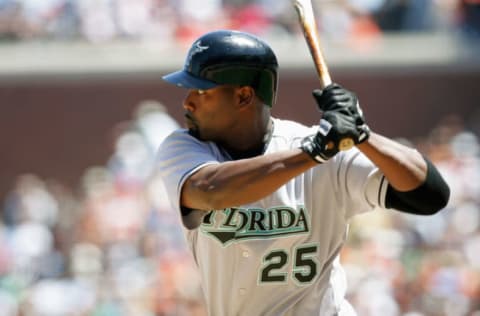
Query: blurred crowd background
{"x": 180, "y": 20}
{"x": 113, "y": 245}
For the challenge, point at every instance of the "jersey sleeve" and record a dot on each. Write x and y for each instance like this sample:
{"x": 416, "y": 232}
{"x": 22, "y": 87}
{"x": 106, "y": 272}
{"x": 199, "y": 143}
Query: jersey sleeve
{"x": 363, "y": 184}
{"x": 179, "y": 156}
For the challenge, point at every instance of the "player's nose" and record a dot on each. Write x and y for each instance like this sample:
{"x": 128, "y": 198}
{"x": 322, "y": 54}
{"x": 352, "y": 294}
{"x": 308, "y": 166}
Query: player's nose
{"x": 188, "y": 103}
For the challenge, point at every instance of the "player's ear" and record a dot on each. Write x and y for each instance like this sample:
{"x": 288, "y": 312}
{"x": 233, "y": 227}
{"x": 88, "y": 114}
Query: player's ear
{"x": 245, "y": 95}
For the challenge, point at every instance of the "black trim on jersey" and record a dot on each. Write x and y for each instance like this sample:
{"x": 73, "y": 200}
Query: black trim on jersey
{"x": 185, "y": 210}
{"x": 429, "y": 198}
{"x": 380, "y": 191}
{"x": 192, "y": 218}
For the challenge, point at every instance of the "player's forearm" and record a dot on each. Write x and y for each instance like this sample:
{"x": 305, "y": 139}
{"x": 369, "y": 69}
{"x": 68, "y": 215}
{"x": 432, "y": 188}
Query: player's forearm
{"x": 403, "y": 166}
{"x": 243, "y": 181}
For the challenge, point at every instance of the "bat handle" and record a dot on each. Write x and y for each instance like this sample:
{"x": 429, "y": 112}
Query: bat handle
{"x": 346, "y": 143}
{"x": 325, "y": 80}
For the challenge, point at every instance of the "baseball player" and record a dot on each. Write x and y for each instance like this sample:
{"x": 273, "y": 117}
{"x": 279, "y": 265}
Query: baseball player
{"x": 266, "y": 202}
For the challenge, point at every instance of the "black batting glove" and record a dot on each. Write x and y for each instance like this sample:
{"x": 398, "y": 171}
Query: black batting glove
{"x": 342, "y": 119}
{"x": 337, "y": 103}
{"x": 326, "y": 143}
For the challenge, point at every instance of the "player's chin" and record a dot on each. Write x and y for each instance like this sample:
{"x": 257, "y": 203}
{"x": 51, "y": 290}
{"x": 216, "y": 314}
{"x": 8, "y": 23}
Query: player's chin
{"x": 195, "y": 131}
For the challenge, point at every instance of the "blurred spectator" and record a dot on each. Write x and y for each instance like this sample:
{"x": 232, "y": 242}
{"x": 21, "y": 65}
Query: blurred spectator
{"x": 58, "y": 297}
{"x": 281, "y": 17}
{"x": 65, "y": 24}
{"x": 350, "y": 21}
{"x": 445, "y": 15}
{"x": 133, "y": 18}
{"x": 250, "y": 18}
{"x": 470, "y": 18}
{"x": 8, "y": 304}
{"x": 39, "y": 14}
{"x": 13, "y": 24}
{"x": 196, "y": 17}
{"x": 335, "y": 20}
{"x": 405, "y": 15}
{"x": 154, "y": 122}
{"x": 96, "y": 20}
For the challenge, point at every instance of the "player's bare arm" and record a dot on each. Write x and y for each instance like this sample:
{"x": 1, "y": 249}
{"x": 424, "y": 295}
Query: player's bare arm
{"x": 243, "y": 181}
{"x": 404, "y": 167}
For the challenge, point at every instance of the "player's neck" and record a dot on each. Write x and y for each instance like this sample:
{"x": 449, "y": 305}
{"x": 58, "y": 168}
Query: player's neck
{"x": 256, "y": 149}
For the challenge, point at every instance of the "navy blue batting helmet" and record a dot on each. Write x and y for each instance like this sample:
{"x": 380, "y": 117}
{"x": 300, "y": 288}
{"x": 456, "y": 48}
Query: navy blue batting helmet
{"x": 229, "y": 57}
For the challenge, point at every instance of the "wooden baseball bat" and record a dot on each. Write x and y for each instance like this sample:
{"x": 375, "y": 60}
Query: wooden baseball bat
{"x": 308, "y": 24}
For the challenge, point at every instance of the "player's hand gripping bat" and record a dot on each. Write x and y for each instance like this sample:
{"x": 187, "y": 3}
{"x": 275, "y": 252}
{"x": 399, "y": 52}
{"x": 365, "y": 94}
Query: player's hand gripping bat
{"x": 307, "y": 21}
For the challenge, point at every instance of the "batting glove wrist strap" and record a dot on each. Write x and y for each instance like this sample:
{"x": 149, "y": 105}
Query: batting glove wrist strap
{"x": 319, "y": 147}
{"x": 364, "y": 133}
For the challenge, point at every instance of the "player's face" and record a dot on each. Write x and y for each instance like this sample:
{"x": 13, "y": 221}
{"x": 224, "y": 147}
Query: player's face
{"x": 210, "y": 114}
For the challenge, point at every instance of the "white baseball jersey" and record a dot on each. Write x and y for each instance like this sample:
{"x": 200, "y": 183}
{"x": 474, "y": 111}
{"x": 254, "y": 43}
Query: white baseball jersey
{"x": 278, "y": 255}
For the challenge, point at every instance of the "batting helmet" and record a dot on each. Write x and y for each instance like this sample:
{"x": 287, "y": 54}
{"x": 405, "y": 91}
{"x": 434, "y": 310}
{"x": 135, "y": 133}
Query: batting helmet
{"x": 229, "y": 57}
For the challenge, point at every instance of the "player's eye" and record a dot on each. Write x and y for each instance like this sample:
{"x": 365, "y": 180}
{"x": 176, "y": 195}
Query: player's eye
{"x": 200, "y": 91}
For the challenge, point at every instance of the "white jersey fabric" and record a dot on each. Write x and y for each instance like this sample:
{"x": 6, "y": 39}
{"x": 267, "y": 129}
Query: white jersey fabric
{"x": 279, "y": 255}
